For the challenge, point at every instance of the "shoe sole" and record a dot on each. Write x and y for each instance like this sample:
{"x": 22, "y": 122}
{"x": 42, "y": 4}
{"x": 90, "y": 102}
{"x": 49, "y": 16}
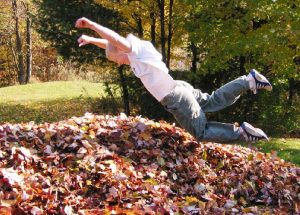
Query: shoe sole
{"x": 251, "y": 131}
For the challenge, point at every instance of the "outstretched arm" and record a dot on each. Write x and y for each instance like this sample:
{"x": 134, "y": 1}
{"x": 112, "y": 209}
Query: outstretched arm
{"x": 111, "y": 36}
{"x": 156, "y": 79}
{"x": 84, "y": 40}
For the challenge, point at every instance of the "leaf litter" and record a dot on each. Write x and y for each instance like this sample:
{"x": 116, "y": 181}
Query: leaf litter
{"x": 98, "y": 164}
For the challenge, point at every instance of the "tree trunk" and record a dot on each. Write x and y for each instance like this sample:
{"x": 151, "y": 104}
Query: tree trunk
{"x": 139, "y": 24}
{"x": 153, "y": 27}
{"x": 125, "y": 93}
{"x": 291, "y": 91}
{"x": 170, "y": 33}
{"x": 20, "y": 69}
{"x": 194, "y": 57}
{"x": 28, "y": 45}
{"x": 242, "y": 65}
{"x": 140, "y": 27}
{"x": 161, "y": 5}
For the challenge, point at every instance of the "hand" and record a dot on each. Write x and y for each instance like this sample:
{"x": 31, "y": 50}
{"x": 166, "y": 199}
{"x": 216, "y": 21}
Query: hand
{"x": 84, "y": 40}
{"x": 83, "y": 23}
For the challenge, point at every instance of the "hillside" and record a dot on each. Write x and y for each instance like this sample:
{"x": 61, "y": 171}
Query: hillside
{"x": 50, "y": 101}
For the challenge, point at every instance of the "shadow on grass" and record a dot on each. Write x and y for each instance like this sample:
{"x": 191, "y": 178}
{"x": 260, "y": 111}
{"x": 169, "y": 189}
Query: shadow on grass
{"x": 57, "y": 110}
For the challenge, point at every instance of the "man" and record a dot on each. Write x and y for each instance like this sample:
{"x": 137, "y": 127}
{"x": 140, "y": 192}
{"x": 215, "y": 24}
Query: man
{"x": 188, "y": 105}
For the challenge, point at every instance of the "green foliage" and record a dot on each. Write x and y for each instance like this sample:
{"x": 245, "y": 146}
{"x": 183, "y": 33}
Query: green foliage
{"x": 235, "y": 36}
{"x": 56, "y": 19}
{"x": 263, "y": 32}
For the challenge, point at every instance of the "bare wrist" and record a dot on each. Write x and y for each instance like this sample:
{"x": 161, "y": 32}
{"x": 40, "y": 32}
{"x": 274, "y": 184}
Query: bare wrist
{"x": 93, "y": 26}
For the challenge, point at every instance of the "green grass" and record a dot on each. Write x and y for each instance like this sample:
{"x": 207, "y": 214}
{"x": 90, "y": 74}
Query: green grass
{"x": 50, "y": 91}
{"x": 52, "y": 101}
{"x": 55, "y": 101}
{"x": 287, "y": 149}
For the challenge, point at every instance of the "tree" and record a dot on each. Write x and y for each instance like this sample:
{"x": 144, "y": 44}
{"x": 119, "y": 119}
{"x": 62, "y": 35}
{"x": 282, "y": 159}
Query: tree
{"x": 141, "y": 17}
{"x": 19, "y": 59}
{"x": 161, "y": 7}
{"x": 28, "y": 45}
{"x": 5, "y": 58}
{"x": 38, "y": 57}
{"x": 13, "y": 41}
{"x": 235, "y": 36}
{"x": 55, "y": 22}
{"x": 246, "y": 29}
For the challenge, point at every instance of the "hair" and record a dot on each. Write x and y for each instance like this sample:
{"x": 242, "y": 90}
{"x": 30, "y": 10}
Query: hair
{"x": 110, "y": 50}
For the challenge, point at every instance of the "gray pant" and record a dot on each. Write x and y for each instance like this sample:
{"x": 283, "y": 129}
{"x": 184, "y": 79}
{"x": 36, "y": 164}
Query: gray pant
{"x": 189, "y": 105}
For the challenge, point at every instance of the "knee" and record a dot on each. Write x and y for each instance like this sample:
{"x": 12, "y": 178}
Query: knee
{"x": 183, "y": 106}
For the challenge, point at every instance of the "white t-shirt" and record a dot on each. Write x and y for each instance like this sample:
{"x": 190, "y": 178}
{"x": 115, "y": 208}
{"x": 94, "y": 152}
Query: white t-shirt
{"x": 142, "y": 55}
{"x": 146, "y": 63}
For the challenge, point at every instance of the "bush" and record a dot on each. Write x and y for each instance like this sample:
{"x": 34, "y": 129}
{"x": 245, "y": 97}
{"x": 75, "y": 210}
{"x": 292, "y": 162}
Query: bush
{"x": 7, "y": 78}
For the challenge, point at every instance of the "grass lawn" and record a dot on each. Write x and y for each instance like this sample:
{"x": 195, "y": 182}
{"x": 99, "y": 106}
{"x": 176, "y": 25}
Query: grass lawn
{"x": 55, "y": 101}
{"x": 52, "y": 101}
{"x": 287, "y": 149}
{"x": 49, "y": 91}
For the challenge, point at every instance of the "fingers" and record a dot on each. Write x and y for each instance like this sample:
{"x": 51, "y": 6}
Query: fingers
{"x": 83, "y": 40}
{"x": 82, "y": 44}
{"x": 82, "y": 23}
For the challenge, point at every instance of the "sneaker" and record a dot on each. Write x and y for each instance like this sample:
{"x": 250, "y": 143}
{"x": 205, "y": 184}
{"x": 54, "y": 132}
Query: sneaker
{"x": 252, "y": 134}
{"x": 258, "y": 81}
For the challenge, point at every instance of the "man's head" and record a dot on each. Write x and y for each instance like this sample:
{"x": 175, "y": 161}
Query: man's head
{"x": 116, "y": 55}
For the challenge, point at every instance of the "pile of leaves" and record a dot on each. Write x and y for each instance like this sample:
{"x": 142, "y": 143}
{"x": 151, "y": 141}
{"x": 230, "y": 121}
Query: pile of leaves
{"x": 131, "y": 165}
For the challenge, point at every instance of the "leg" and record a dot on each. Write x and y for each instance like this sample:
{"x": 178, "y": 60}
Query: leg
{"x": 186, "y": 110}
{"x": 188, "y": 113}
{"x": 222, "y": 132}
{"x": 230, "y": 92}
{"x": 224, "y": 96}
